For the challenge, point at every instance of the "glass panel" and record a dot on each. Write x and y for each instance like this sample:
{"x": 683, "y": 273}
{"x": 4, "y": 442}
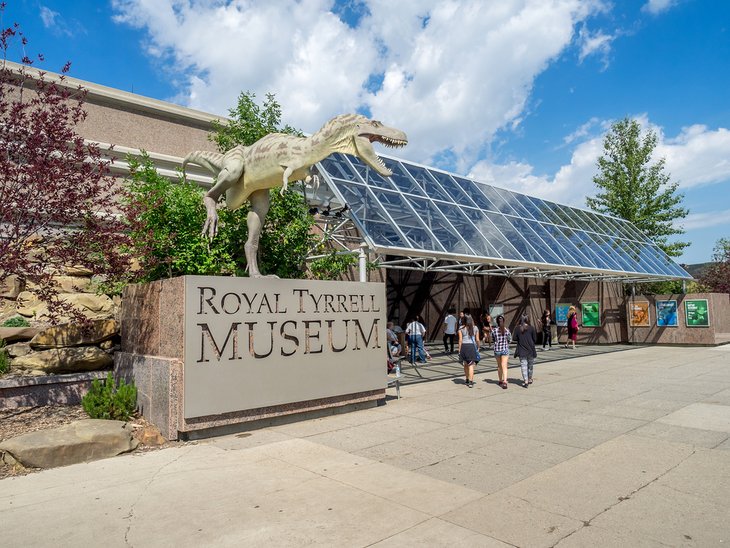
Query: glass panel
{"x": 369, "y": 175}
{"x": 531, "y": 206}
{"x": 491, "y": 193}
{"x": 454, "y": 190}
{"x": 603, "y": 248}
{"x": 407, "y": 221}
{"x": 595, "y": 252}
{"x": 566, "y": 249}
{"x": 546, "y": 210}
{"x": 618, "y": 229}
{"x": 337, "y": 166}
{"x": 477, "y": 196}
{"x": 432, "y": 188}
{"x": 635, "y": 232}
{"x": 492, "y": 234}
{"x": 473, "y": 236}
{"x": 514, "y": 237}
{"x": 589, "y": 222}
{"x": 447, "y": 236}
{"x": 371, "y": 216}
{"x": 583, "y": 249}
{"x": 524, "y": 228}
{"x": 626, "y": 254}
{"x": 401, "y": 179}
{"x": 515, "y": 200}
{"x": 566, "y": 214}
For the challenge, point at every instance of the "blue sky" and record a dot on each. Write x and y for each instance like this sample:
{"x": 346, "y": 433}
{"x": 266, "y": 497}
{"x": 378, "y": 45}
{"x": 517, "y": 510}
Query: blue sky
{"x": 517, "y": 93}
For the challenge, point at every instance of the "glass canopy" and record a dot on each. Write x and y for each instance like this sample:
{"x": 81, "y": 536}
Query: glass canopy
{"x": 425, "y": 218}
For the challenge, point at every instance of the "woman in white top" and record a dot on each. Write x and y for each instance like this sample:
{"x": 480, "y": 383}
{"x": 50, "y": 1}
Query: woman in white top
{"x": 468, "y": 345}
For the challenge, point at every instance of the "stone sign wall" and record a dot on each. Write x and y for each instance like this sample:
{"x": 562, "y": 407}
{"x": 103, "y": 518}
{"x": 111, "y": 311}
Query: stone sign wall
{"x": 252, "y": 343}
{"x": 207, "y": 352}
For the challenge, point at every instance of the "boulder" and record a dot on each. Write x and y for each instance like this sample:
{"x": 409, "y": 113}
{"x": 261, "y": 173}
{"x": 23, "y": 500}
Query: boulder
{"x": 80, "y": 441}
{"x": 77, "y": 270}
{"x": 18, "y": 349}
{"x": 69, "y": 284}
{"x": 151, "y": 436}
{"x": 75, "y": 334}
{"x": 93, "y": 307}
{"x": 65, "y": 360}
{"x": 13, "y": 334}
{"x": 11, "y": 287}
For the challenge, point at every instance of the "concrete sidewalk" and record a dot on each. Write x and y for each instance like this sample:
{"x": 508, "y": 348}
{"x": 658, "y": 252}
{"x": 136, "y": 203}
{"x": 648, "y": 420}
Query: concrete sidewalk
{"x": 621, "y": 449}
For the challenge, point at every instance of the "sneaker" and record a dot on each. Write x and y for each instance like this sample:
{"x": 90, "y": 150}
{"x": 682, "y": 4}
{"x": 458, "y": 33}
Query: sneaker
{"x": 526, "y": 384}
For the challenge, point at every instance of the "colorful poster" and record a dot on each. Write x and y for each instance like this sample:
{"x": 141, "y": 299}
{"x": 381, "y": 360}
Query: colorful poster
{"x": 561, "y": 314}
{"x": 666, "y": 313}
{"x": 697, "y": 313}
{"x": 639, "y": 314}
{"x": 591, "y": 314}
{"x": 496, "y": 310}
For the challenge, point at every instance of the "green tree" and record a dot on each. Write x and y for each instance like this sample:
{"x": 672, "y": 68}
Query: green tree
{"x": 634, "y": 188}
{"x": 165, "y": 218}
{"x": 717, "y": 275}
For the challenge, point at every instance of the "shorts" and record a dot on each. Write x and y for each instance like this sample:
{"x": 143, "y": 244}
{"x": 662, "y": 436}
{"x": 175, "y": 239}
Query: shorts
{"x": 498, "y": 353}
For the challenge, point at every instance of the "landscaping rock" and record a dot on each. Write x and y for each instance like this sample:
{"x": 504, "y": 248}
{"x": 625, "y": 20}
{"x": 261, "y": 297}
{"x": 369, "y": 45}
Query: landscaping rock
{"x": 93, "y": 307}
{"x": 11, "y": 287}
{"x": 65, "y": 360}
{"x": 80, "y": 441}
{"x": 18, "y": 349}
{"x": 13, "y": 334}
{"x": 69, "y": 284}
{"x": 151, "y": 436}
{"x": 75, "y": 334}
{"x": 77, "y": 270}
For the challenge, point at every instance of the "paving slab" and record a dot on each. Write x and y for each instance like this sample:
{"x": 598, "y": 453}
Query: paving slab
{"x": 514, "y": 521}
{"x": 620, "y": 449}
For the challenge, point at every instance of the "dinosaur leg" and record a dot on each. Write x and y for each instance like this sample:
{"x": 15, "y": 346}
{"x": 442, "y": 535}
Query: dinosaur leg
{"x": 225, "y": 180}
{"x": 256, "y": 215}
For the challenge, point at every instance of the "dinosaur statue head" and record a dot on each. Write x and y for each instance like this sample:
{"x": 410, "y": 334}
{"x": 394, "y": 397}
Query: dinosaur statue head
{"x": 354, "y": 134}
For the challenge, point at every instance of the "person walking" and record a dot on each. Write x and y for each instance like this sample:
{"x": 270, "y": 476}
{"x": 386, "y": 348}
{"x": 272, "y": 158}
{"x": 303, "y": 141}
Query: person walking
{"x": 468, "y": 348}
{"x": 547, "y": 334}
{"x": 526, "y": 337}
{"x": 449, "y": 331}
{"x": 420, "y": 320}
{"x": 572, "y": 328}
{"x": 501, "y": 337}
{"x": 487, "y": 328}
{"x": 415, "y": 332}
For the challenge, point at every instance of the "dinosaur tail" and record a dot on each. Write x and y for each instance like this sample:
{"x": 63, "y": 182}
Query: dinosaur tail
{"x": 212, "y": 161}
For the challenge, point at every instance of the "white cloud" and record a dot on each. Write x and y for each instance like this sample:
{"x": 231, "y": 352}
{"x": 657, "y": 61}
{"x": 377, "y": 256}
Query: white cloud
{"x": 696, "y": 156}
{"x": 453, "y": 72}
{"x": 656, "y": 7}
{"x": 594, "y": 43}
{"x": 695, "y": 221}
{"x": 48, "y": 16}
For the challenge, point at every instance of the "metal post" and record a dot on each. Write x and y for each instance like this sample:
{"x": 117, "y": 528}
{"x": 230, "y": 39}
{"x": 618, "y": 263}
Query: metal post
{"x": 363, "y": 263}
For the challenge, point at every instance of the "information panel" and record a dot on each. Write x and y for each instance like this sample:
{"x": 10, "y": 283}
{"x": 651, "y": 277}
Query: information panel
{"x": 666, "y": 313}
{"x": 697, "y": 313}
{"x": 561, "y": 314}
{"x": 591, "y": 314}
{"x": 253, "y": 343}
{"x": 639, "y": 314}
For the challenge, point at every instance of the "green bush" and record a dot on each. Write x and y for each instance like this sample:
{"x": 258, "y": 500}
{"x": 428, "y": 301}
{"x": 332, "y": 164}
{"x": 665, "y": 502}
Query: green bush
{"x": 110, "y": 401}
{"x": 17, "y": 321}
{"x": 4, "y": 361}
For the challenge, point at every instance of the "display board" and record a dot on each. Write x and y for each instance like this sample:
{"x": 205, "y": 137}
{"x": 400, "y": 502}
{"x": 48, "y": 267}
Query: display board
{"x": 666, "y": 313}
{"x": 697, "y": 313}
{"x": 561, "y": 314}
{"x": 591, "y": 314}
{"x": 496, "y": 310}
{"x": 639, "y": 314}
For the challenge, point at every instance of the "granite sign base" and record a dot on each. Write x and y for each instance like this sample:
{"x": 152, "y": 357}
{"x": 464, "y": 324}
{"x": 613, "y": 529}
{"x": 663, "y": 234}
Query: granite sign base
{"x": 213, "y": 355}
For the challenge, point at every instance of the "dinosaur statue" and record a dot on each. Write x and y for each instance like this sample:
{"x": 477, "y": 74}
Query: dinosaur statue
{"x": 248, "y": 172}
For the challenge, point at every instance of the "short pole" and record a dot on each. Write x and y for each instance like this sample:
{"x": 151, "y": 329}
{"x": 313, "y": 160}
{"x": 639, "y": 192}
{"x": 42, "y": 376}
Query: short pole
{"x": 363, "y": 263}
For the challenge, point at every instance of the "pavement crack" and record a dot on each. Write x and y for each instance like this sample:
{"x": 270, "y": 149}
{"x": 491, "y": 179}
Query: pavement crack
{"x": 130, "y": 514}
{"x": 624, "y": 498}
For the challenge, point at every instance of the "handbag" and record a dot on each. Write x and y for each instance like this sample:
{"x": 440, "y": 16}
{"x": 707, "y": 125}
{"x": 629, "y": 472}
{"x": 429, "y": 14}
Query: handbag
{"x": 479, "y": 356}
